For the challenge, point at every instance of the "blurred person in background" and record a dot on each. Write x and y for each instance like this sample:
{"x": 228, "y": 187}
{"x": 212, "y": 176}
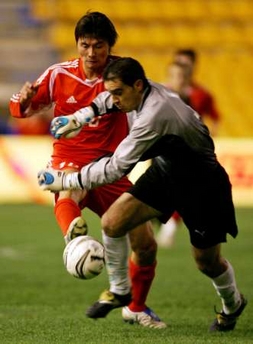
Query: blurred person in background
{"x": 200, "y": 99}
{"x": 181, "y": 80}
{"x": 67, "y": 87}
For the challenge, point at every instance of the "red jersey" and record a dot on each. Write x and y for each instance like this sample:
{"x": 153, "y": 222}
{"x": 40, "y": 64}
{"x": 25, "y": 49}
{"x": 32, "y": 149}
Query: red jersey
{"x": 202, "y": 101}
{"x": 66, "y": 87}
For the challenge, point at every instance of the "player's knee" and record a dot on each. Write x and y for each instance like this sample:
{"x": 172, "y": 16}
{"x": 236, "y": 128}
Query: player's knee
{"x": 111, "y": 227}
{"x": 107, "y": 226}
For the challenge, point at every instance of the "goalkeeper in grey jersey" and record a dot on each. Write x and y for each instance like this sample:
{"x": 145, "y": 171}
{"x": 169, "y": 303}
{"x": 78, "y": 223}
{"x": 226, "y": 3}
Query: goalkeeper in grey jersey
{"x": 186, "y": 176}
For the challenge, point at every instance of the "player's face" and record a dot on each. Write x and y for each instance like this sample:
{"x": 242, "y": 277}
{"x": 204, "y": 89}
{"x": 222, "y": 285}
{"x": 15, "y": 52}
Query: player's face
{"x": 94, "y": 53}
{"x": 184, "y": 60}
{"x": 177, "y": 79}
{"x": 126, "y": 98}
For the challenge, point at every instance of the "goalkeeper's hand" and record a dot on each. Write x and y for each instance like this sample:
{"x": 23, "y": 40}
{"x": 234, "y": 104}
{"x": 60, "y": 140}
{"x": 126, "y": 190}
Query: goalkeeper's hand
{"x": 71, "y": 125}
{"x": 55, "y": 180}
{"x": 65, "y": 126}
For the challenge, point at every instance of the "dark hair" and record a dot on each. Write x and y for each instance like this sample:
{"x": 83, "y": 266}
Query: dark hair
{"x": 97, "y": 25}
{"x": 188, "y": 52}
{"x": 127, "y": 69}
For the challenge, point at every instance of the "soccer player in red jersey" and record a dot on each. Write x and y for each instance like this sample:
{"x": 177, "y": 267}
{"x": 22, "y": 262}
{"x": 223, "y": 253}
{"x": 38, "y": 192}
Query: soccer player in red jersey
{"x": 200, "y": 99}
{"x": 69, "y": 86}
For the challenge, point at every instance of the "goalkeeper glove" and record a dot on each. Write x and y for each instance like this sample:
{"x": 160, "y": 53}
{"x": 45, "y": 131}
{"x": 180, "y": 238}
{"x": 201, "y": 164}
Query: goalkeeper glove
{"x": 65, "y": 126}
{"x": 71, "y": 125}
{"x": 54, "y": 180}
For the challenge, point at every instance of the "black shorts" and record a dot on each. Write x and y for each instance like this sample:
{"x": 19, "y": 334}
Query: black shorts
{"x": 200, "y": 194}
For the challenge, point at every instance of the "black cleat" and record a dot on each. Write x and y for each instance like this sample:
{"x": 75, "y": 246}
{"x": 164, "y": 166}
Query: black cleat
{"x": 106, "y": 303}
{"x": 226, "y": 322}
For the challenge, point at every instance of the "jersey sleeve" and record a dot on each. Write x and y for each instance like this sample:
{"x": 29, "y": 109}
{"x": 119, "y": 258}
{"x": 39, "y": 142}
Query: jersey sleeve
{"x": 40, "y": 103}
{"x": 103, "y": 104}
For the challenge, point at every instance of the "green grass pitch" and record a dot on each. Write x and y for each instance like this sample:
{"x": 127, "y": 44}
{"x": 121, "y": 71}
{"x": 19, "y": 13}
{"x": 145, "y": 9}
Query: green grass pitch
{"x": 41, "y": 304}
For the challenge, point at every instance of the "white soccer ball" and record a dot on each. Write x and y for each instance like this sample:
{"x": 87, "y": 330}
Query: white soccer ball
{"x": 84, "y": 257}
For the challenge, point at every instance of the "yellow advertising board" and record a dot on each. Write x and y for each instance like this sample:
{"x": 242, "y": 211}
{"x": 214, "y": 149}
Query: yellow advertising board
{"x": 21, "y": 157}
{"x": 236, "y": 155}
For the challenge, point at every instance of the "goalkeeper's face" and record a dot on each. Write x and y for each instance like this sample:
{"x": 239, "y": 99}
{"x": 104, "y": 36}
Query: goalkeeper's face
{"x": 94, "y": 53}
{"x": 126, "y": 98}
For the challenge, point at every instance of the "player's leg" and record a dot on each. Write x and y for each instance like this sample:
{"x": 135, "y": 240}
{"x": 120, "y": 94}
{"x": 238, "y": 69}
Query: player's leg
{"x": 68, "y": 214}
{"x": 210, "y": 262}
{"x": 210, "y": 216}
{"x": 66, "y": 208}
{"x": 125, "y": 213}
{"x": 141, "y": 264}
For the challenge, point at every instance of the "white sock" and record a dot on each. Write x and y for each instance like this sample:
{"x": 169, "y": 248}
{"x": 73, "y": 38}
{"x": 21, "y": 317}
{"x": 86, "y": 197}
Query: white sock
{"x": 117, "y": 253}
{"x": 226, "y": 288}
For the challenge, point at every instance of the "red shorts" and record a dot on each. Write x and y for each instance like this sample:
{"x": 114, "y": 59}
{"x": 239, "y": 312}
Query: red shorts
{"x": 100, "y": 198}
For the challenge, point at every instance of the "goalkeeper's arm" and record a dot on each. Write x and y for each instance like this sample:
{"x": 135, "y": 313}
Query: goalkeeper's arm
{"x": 71, "y": 125}
{"x": 55, "y": 180}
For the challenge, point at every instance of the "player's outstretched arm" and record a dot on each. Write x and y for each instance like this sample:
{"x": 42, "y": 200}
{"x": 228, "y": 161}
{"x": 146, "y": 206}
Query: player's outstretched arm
{"x": 55, "y": 180}
{"x": 71, "y": 125}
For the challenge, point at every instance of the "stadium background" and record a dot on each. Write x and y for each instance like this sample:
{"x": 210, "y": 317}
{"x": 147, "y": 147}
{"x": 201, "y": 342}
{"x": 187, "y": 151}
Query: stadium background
{"x": 35, "y": 34}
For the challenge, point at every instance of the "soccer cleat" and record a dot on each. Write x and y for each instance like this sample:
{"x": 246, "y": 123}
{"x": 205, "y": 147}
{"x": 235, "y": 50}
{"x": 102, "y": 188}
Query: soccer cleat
{"x": 226, "y": 322}
{"x": 76, "y": 228}
{"x": 106, "y": 303}
{"x": 146, "y": 318}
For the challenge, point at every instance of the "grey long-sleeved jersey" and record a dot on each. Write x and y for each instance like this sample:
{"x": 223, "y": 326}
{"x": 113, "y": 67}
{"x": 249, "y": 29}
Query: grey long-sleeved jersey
{"x": 161, "y": 120}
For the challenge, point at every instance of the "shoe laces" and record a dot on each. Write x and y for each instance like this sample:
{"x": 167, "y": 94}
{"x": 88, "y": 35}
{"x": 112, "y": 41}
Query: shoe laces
{"x": 148, "y": 318}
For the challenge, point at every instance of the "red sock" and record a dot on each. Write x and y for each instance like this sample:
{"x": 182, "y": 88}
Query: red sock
{"x": 141, "y": 278}
{"x": 66, "y": 210}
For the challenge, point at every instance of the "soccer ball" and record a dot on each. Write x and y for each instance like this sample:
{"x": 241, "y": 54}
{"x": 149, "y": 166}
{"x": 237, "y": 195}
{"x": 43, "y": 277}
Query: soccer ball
{"x": 84, "y": 257}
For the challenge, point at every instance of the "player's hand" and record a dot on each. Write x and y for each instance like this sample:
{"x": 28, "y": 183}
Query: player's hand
{"x": 65, "y": 126}
{"x": 27, "y": 92}
{"x": 51, "y": 180}
{"x": 55, "y": 180}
